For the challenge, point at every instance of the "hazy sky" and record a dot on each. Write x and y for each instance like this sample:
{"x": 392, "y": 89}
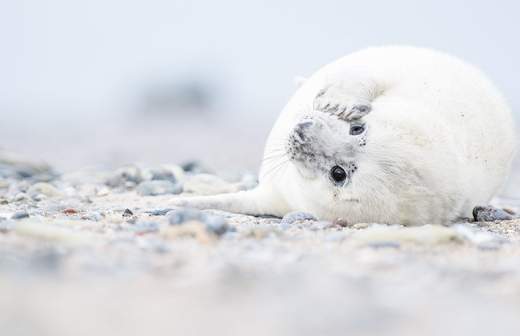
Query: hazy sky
{"x": 88, "y": 57}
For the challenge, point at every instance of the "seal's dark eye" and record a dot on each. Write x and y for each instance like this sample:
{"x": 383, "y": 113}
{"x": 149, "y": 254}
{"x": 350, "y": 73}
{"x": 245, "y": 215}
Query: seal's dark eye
{"x": 357, "y": 129}
{"x": 338, "y": 174}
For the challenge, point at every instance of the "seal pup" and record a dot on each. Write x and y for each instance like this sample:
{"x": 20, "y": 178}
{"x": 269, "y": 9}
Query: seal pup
{"x": 386, "y": 135}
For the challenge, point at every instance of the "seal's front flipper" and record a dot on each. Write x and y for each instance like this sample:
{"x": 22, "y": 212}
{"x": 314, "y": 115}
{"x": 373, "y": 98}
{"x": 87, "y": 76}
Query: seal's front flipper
{"x": 252, "y": 202}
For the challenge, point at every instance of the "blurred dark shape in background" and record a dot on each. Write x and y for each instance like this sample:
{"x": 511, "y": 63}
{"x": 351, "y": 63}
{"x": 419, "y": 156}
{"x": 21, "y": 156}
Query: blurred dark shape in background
{"x": 190, "y": 97}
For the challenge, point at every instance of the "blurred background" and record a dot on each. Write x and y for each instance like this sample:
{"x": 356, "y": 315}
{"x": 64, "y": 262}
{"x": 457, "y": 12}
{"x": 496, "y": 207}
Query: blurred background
{"x": 110, "y": 82}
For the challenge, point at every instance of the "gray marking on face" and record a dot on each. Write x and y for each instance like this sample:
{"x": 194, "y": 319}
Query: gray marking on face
{"x": 315, "y": 146}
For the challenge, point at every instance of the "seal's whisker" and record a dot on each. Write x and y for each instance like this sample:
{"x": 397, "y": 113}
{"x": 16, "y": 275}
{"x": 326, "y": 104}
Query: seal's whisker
{"x": 274, "y": 170}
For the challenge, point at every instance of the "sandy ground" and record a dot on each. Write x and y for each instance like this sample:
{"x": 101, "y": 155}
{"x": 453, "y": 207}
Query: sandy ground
{"x": 92, "y": 252}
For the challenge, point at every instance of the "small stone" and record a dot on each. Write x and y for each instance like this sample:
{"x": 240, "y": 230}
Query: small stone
{"x": 296, "y": 216}
{"x": 216, "y": 224}
{"x": 179, "y": 216}
{"x": 20, "y": 215}
{"x": 128, "y": 177}
{"x": 490, "y": 214}
{"x": 156, "y": 188}
{"x": 102, "y": 191}
{"x": 20, "y": 197}
{"x": 341, "y": 222}
{"x": 384, "y": 244}
{"x": 159, "y": 212}
{"x": 43, "y": 188}
{"x": 141, "y": 227}
{"x": 70, "y": 211}
{"x": 321, "y": 225}
{"x": 194, "y": 167}
{"x": 190, "y": 229}
{"x": 162, "y": 174}
{"x": 127, "y": 213}
{"x": 93, "y": 216}
{"x": 39, "y": 197}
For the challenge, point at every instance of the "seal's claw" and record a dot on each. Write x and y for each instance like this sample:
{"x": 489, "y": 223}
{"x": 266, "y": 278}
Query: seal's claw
{"x": 331, "y": 100}
{"x": 335, "y": 99}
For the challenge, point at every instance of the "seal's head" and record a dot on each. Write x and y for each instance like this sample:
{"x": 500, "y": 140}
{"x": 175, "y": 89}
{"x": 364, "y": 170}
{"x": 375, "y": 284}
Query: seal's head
{"x": 327, "y": 146}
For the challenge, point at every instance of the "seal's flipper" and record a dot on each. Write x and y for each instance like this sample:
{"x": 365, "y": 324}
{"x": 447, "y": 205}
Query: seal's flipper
{"x": 252, "y": 202}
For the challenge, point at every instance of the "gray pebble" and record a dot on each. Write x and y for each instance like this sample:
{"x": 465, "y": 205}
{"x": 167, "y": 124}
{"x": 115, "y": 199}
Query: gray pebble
{"x": 127, "y": 213}
{"x": 145, "y": 227}
{"x": 162, "y": 174}
{"x": 295, "y": 216}
{"x": 216, "y": 224}
{"x": 20, "y": 197}
{"x": 490, "y": 214}
{"x": 179, "y": 216}
{"x": 321, "y": 225}
{"x": 94, "y": 216}
{"x": 158, "y": 212}
{"x": 39, "y": 197}
{"x": 384, "y": 244}
{"x": 127, "y": 177}
{"x": 20, "y": 215}
{"x": 194, "y": 167}
{"x": 156, "y": 188}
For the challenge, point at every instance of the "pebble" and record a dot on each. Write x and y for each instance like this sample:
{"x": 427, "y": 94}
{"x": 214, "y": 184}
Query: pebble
{"x": 125, "y": 177}
{"x": 194, "y": 167}
{"x": 161, "y": 174}
{"x": 490, "y": 214}
{"x": 216, "y": 224}
{"x": 156, "y": 188}
{"x": 213, "y": 223}
{"x": 158, "y": 212}
{"x": 39, "y": 197}
{"x": 93, "y": 216}
{"x": 20, "y": 215}
{"x": 384, "y": 244}
{"x": 295, "y": 216}
{"x": 179, "y": 216}
{"x": 127, "y": 213}
{"x": 145, "y": 227}
{"x": 341, "y": 222}
{"x": 321, "y": 225}
{"x": 20, "y": 197}
{"x": 70, "y": 211}
{"x": 43, "y": 188}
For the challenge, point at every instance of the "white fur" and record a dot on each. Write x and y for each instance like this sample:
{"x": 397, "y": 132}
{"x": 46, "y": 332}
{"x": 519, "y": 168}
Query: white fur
{"x": 440, "y": 140}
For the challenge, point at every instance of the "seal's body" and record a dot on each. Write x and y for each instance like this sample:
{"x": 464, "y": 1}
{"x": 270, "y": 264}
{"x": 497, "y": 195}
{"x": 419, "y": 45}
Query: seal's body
{"x": 388, "y": 135}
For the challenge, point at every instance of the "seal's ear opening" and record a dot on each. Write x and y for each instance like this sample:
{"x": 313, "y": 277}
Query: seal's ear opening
{"x": 357, "y": 112}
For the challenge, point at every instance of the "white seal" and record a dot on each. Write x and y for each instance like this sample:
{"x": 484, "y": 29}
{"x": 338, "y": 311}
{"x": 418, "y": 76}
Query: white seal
{"x": 387, "y": 135}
